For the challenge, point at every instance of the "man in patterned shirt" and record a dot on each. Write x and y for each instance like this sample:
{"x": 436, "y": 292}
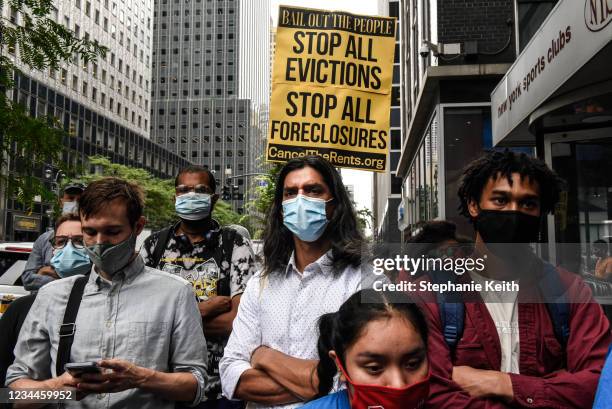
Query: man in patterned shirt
{"x": 217, "y": 261}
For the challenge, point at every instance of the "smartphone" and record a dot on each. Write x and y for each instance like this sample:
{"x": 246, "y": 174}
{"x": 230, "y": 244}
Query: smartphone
{"x": 77, "y": 369}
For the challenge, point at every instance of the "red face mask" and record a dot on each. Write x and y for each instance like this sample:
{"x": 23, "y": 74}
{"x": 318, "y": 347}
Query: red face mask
{"x": 383, "y": 397}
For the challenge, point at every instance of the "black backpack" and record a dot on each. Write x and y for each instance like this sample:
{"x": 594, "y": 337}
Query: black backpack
{"x": 223, "y": 253}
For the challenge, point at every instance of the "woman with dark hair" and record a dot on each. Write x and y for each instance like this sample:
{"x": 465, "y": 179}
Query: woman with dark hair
{"x": 377, "y": 343}
{"x": 312, "y": 255}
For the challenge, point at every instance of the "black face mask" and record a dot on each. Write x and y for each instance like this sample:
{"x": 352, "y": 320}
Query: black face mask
{"x": 498, "y": 226}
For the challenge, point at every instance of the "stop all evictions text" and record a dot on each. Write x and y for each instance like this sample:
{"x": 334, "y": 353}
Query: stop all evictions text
{"x": 331, "y": 88}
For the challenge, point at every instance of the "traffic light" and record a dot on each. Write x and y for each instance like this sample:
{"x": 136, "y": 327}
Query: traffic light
{"x": 236, "y": 195}
{"x": 225, "y": 193}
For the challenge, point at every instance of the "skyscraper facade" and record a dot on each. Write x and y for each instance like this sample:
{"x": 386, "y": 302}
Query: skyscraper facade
{"x": 210, "y": 84}
{"x": 387, "y": 186}
{"x": 104, "y": 105}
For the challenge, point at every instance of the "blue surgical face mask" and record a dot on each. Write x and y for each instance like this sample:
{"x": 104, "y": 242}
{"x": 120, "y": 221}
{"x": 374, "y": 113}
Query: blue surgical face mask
{"x": 69, "y": 261}
{"x": 70, "y": 207}
{"x": 305, "y": 217}
{"x": 193, "y": 206}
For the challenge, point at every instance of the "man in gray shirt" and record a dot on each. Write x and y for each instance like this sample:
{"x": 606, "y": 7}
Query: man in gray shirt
{"x": 38, "y": 270}
{"x": 142, "y": 326}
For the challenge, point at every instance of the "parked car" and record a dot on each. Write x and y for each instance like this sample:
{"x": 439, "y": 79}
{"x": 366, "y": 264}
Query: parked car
{"x": 13, "y": 257}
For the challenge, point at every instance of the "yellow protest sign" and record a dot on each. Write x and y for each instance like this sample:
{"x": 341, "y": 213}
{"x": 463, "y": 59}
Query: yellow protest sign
{"x": 331, "y": 88}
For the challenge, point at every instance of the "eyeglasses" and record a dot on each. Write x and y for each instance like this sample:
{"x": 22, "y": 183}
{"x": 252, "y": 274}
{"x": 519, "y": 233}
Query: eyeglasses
{"x": 183, "y": 189}
{"x": 59, "y": 242}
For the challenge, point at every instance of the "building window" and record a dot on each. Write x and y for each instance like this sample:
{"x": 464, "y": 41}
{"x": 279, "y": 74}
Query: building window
{"x": 531, "y": 15}
{"x": 587, "y": 200}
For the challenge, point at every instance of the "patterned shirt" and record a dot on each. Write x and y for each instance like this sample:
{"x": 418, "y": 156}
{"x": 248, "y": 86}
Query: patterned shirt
{"x": 282, "y": 312}
{"x": 143, "y": 315}
{"x": 211, "y": 272}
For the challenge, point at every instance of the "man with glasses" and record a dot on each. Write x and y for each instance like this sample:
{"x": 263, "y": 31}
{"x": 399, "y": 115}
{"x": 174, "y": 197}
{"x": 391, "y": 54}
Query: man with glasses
{"x": 140, "y": 326}
{"x": 68, "y": 259}
{"x": 38, "y": 270}
{"x": 217, "y": 262}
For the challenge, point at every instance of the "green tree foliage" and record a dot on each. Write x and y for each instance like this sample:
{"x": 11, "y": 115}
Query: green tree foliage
{"x": 159, "y": 193}
{"x": 224, "y": 214}
{"x": 365, "y": 218}
{"x": 264, "y": 197}
{"x": 27, "y": 143}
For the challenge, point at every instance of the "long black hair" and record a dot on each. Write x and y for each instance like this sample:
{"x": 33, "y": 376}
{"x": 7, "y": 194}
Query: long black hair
{"x": 342, "y": 230}
{"x": 339, "y": 330}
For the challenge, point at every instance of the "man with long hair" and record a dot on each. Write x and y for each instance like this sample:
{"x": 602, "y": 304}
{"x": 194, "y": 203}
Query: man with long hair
{"x": 312, "y": 255}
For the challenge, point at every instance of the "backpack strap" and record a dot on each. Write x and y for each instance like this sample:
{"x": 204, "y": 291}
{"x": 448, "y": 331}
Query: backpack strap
{"x": 452, "y": 310}
{"x": 160, "y": 246}
{"x": 68, "y": 327}
{"x": 452, "y": 315}
{"x": 228, "y": 236}
{"x": 556, "y": 302}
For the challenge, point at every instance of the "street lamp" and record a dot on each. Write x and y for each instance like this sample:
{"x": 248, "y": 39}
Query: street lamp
{"x": 54, "y": 174}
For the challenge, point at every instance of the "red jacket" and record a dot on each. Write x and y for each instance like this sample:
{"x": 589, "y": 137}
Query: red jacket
{"x": 547, "y": 379}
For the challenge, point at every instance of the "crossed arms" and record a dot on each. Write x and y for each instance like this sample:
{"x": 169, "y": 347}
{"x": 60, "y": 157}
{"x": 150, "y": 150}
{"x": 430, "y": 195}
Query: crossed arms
{"x": 256, "y": 373}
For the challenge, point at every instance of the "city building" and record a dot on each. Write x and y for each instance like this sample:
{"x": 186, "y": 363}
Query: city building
{"x": 386, "y": 187}
{"x": 211, "y": 85}
{"x": 523, "y": 75}
{"x": 566, "y": 115}
{"x": 105, "y": 105}
{"x": 457, "y": 51}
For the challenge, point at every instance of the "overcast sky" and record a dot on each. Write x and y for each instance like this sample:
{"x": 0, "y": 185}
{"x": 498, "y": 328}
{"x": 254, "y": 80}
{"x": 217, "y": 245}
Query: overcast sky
{"x": 361, "y": 181}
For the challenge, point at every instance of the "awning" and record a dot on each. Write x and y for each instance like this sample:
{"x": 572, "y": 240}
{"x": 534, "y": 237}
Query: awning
{"x": 572, "y": 35}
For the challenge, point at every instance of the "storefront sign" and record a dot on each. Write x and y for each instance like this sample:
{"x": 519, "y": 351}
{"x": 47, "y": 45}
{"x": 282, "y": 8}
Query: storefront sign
{"x": 572, "y": 34}
{"x": 24, "y": 223}
{"x": 598, "y": 14}
{"x": 331, "y": 88}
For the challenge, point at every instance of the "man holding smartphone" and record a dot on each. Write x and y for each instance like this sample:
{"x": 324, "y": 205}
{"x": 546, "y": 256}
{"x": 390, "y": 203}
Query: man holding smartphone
{"x": 141, "y": 326}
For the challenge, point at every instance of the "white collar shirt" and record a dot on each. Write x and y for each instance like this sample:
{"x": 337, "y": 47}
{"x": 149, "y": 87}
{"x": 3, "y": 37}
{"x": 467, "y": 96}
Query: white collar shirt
{"x": 282, "y": 311}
